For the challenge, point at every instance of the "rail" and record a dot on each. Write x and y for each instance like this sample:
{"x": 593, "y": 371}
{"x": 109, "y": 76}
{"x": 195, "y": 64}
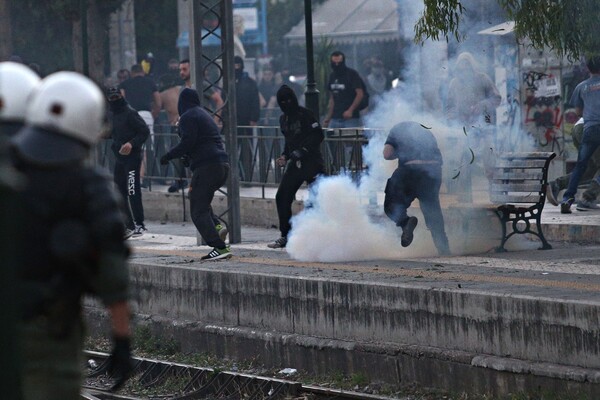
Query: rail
{"x": 258, "y": 148}
{"x": 159, "y": 379}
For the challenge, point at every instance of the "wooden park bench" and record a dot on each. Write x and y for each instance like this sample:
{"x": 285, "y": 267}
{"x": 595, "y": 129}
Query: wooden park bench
{"x": 518, "y": 188}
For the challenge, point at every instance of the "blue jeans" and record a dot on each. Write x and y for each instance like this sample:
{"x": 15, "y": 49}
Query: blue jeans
{"x": 589, "y": 144}
{"x": 410, "y": 182}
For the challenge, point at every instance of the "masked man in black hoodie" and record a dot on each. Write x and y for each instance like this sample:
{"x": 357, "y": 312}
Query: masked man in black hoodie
{"x": 129, "y": 133}
{"x": 301, "y": 156}
{"x": 201, "y": 142}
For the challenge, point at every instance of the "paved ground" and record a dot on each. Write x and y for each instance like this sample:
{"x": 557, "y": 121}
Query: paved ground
{"x": 569, "y": 271}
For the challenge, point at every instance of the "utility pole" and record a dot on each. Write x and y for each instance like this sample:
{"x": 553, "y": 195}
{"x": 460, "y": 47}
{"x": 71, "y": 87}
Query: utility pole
{"x": 311, "y": 94}
{"x": 223, "y": 61}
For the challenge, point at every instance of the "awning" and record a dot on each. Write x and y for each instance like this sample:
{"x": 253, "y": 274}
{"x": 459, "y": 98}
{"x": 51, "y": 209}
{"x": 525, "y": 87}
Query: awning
{"x": 351, "y": 21}
{"x": 501, "y": 29}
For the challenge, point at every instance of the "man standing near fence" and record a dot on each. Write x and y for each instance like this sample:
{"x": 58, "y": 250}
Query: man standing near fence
{"x": 346, "y": 91}
{"x": 418, "y": 176}
{"x": 129, "y": 132}
{"x": 247, "y": 102}
{"x": 301, "y": 156}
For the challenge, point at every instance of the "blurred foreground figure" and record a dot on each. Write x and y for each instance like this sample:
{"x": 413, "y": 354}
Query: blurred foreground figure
{"x": 16, "y": 84}
{"x": 74, "y": 240}
{"x": 418, "y": 176}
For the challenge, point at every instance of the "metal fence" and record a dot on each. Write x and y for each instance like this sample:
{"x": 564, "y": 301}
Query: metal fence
{"x": 258, "y": 148}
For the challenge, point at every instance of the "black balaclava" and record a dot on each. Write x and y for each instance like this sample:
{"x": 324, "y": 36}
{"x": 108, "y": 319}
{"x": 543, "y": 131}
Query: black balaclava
{"x": 341, "y": 67}
{"x": 238, "y": 71}
{"x": 115, "y": 99}
{"x": 287, "y": 100}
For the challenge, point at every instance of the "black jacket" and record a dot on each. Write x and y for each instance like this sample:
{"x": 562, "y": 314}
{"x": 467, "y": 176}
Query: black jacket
{"x": 127, "y": 126}
{"x": 302, "y": 132}
{"x": 247, "y": 100}
{"x": 200, "y": 137}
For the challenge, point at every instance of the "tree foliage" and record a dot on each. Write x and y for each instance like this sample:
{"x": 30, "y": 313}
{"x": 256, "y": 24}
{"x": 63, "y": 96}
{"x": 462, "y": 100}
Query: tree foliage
{"x": 42, "y": 31}
{"x": 156, "y": 29}
{"x": 566, "y": 26}
{"x": 282, "y": 16}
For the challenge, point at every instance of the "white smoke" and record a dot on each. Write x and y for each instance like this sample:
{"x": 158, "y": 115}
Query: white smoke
{"x": 346, "y": 221}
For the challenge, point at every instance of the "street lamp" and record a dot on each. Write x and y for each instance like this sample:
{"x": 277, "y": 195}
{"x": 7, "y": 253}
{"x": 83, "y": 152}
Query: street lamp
{"x": 311, "y": 94}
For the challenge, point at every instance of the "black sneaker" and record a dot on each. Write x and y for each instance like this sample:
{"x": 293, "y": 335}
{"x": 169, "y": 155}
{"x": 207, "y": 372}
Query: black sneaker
{"x": 279, "y": 243}
{"x": 218, "y": 254}
{"x": 139, "y": 230}
{"x": 552, "y": 193}
{"x": 565, "y": 206}
{"x": 407, "y": 231}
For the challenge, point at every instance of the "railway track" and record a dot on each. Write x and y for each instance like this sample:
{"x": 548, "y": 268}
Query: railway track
{"x": 152, "y": 379}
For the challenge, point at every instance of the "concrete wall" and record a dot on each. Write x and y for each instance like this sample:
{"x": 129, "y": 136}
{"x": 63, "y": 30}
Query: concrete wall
{"x": 160, "y": 206}
{"x": 520, "y": 326}
{"x": 457, "y": 340}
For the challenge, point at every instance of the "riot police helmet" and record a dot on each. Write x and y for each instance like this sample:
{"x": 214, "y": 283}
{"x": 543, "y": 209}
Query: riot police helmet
{"x": 64, "y": 119}
{"x": 17, "y": 82}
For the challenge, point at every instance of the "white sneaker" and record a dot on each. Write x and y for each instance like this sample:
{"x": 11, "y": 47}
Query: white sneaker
{"x": 584, "y": 205}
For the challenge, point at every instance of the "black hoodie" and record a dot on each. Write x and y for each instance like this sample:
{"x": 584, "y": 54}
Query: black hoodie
{"x": 127, "y": 126}
{"x": 200, "y": 137}
{"x": 302, "y": 132}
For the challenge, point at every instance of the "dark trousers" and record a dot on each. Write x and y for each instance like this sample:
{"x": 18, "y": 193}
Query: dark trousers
{"x": 292, "y": 179}
{"x": 127, "y": 179}
{"x": 246, "y": 153}
{"x": 206, "y": 180}
{"x": 422, "y": 182}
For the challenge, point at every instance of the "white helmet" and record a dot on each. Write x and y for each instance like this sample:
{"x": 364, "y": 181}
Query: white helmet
{"x": 68, "y": 103}
{"x": 17, "y": 81}
{"x": 64, "y": 119}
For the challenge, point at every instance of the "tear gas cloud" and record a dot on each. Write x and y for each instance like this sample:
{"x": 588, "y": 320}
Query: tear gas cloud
{"x": 343, "y": 222}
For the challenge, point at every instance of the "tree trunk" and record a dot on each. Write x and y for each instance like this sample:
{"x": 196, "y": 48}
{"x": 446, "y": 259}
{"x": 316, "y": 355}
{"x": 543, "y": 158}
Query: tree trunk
{"x": 77, "y": 46}
{"x": 97, "y": 34}
{"x": 98, "y": 41}
{"x": 5, "y": 30}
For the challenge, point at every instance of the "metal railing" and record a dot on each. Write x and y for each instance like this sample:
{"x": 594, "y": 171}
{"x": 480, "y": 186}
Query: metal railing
{"x": 258, "y": 148}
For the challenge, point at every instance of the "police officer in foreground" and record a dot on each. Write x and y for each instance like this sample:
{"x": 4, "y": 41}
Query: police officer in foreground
{"x": 16, "y": 84}
{"x": 74, "y": 241}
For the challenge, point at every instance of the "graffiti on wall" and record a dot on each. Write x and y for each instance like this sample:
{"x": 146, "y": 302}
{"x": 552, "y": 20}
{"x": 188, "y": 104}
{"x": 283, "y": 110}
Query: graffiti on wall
{"x": 543, "y": 109}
